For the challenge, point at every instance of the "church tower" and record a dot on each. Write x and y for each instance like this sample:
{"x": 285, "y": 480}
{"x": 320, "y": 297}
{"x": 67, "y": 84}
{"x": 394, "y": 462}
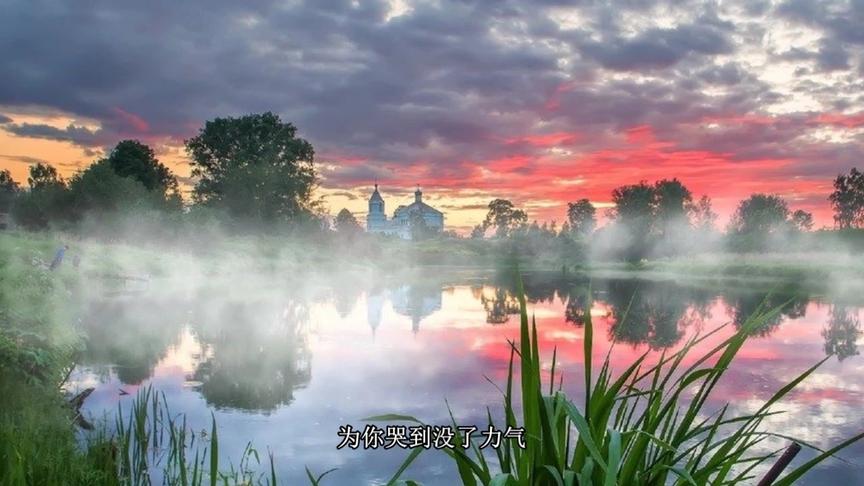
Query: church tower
{"x": 376, "y": 220}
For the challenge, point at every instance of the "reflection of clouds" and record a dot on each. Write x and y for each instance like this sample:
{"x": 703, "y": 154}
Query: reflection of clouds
{"x": 823, "y": 423}
{"x": 398, "y": 371}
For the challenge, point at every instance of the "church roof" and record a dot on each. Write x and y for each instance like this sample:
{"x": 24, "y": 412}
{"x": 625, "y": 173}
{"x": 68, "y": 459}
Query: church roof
{"x": 376, "y": 196}
{"x": 418, "y": 206}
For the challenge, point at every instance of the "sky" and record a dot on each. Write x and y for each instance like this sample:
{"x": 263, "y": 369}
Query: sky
{"x": 539, "y": 102}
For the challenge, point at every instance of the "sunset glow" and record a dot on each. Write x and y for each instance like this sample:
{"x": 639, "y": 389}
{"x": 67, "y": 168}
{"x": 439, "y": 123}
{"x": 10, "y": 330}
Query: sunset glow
{"x": 539, "y": 105}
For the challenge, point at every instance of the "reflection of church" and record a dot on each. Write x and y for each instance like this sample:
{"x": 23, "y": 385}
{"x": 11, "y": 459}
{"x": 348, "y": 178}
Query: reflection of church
{"x": 414, "y": 301}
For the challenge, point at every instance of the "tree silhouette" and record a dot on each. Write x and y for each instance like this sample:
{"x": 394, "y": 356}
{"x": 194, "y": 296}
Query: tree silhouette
{"x": 581, "y": 218}
{"x": 131, "y": 158}
{"x": 848, "y": 200}
{"x": 254, "y": 167}
{"x": 504, "y": 217}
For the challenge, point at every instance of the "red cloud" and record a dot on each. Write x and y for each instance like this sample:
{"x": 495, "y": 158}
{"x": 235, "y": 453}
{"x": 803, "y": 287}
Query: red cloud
{"x": 841, "y": 120}
{"x": 132, "y": 120}
{"x": 546, "y": 140}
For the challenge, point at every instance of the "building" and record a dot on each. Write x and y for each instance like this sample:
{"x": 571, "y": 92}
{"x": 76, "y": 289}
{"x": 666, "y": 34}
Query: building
{"x": 403, "y": 218}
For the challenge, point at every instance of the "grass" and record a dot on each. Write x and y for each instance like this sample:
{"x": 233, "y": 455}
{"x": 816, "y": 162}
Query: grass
{"x": 150, "y": 445}
{"x": 648, "y": 425}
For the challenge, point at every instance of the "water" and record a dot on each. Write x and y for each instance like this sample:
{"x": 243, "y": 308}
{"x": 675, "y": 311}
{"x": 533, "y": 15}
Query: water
{"x": 284, "y": 368}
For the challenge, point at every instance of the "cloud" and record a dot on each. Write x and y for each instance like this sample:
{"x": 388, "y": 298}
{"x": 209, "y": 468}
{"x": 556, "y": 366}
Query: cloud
{"x": 349, "y": 195}
{"x": 832, "y": 56}
{"x": 502, "y": 96}
{"x": 657, "y": 48}
{"x": 21, "y": 158}
{"x": 78, "y": 135}
{"x": 4, "y": 119}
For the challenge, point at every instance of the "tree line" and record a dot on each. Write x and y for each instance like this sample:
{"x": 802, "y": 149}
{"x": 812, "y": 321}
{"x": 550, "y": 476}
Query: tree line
{"x": 666, "y": 219}
{"x": 255, "y": 170}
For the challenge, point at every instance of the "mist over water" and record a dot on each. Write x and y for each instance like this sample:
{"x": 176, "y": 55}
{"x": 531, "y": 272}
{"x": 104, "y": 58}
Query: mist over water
{"x": 282, "y": 360}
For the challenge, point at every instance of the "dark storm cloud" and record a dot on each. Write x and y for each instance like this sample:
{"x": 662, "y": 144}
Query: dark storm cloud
{"x": 78, "y": 135}
{"x": 832, "y": 56}
{"x": 4, "y": 119}
{"x": 430, "y": 93}
{"x": 657, "y": 48}
{"x": 841, "y": 19}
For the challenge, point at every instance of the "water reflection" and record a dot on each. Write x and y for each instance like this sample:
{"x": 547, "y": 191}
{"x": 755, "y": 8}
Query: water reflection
{"x": 382, "y": 346}
{"x": 500, "y": 303}
{"x": 842, "y": 333}
{"x": 126, "y": 335}
{"x": 792, "y": 302}
{"x": 257, "y": 354}
{"x": 417, "y": 301}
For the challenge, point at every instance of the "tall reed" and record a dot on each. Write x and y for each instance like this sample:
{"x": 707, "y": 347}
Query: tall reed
{"x": 150, "y": 445}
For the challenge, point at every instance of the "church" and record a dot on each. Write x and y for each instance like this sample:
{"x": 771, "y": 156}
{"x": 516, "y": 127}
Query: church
{"x": 400, "y": 224}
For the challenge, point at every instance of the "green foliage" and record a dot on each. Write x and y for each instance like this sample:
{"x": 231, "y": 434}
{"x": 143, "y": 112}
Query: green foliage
{"x": 47, "y": 201}
{"x": 647, "y": 425}
{"x": 254, "y": 167}
{"x": 504, "y": 217}
{"x": 848, "y": 200}
{"x": 760, "y": 214}
{"x": 131, "y": 158}
{"x": 37, "y": 446}
{"x": 801, "y": 220}
{"x": 44, "y": 176}
{"x": 581, "y": 218}
{"x": 672, "y": 202}
{"x": 765, "y": 221}
{"x": 98, "y": 190}
{"x": 8, "y": 190}
{"x": 634, "y": 213}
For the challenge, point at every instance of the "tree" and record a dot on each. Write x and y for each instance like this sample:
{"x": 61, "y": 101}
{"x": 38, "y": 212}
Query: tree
{"x": 346, "y": 223}
{"x": 672, "y": 203}
{"x": 131, "y": 158}
{"x": 46, "y": 202}
{"x": 634, "y": 205}
{"x": 581, "y": 218}
{"x": 760, "y": 214}
{"x": 8, "y": 190}
{"x": 44, "y": 176}
{"x": 253, "y": 166}
{"x": 802, "y": 220}
{"x": 98, "y": 189}
{"x": 478, "y": 232}
{"x": 703, "y": 215}
{"x": 504, "y": 217}
{"x": 634, "y": 214}
{"x": 848, "y": 200}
